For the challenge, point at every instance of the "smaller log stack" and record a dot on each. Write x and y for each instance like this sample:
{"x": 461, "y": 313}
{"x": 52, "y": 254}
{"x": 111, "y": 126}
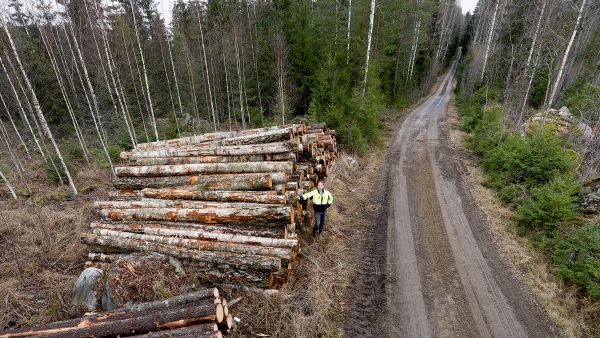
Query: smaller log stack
{"x": 198, "y": 314}
{"x": 225, "y": 201}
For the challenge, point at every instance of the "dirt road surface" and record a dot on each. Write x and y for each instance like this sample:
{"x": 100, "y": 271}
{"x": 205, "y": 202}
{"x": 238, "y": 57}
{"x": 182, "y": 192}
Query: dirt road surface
{"x": 431, "y": 252}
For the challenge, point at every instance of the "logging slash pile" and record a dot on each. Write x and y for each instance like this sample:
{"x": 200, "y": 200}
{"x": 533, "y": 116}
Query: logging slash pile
{"x": 226, "y": 201}
{"x": 198, "y": 314}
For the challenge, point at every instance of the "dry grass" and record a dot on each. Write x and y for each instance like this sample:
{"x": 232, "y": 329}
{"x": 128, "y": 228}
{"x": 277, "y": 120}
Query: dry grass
{"x": 40, "y": 252}
{"x": 531, "y": 267}
{"x": 315, "y": 302}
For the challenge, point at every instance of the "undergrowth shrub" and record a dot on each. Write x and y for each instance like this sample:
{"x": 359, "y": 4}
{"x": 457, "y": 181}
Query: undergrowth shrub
{"x": 578, "y": 258}
{"x": 528, "y": 161}
{"x": 549, "y": 204}
{"x": 56, "y": 172}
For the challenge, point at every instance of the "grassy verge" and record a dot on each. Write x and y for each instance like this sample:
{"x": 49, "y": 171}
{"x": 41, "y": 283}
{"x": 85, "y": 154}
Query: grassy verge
{"x": 534, "y": 181}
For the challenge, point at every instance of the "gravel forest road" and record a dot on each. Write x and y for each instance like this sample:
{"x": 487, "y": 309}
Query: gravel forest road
{"x": 443, "y": 275}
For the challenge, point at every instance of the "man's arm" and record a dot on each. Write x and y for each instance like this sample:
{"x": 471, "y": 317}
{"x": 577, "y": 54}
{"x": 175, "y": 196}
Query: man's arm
{"x": 329, "y": 200}
{"x": 307, "y": 195}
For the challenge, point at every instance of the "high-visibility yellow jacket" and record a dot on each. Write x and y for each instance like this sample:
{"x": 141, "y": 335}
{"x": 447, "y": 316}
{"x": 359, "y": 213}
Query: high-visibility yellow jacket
{"x": 321, "y": 201}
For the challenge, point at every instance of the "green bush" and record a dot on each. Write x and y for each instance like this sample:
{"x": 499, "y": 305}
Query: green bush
{"x": 549, "y": 204}
{"x": 578, "y": 258}
{"x": 534, "y": 161}
{"x": 488, "y": 133}
{"x": 52, "y": 173}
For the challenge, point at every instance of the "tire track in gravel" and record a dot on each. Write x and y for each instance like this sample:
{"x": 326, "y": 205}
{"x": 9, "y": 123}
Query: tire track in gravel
{"x": 443, "y": 277}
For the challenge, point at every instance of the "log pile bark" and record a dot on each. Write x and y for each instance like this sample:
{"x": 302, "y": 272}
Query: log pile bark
{"x": 225, "y": 201}
{"x": 198, "y": 314}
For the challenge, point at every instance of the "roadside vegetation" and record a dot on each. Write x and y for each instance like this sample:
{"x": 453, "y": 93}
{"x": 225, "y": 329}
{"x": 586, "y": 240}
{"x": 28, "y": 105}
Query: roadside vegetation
{"x": 537, "y": 177}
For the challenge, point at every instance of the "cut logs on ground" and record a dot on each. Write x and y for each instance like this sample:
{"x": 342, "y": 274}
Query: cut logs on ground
{"x": 198, "y": 314}
{"x": 225, "y": 201}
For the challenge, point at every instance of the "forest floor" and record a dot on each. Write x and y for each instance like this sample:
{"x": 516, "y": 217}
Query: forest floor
{"x": 430, "y": 256}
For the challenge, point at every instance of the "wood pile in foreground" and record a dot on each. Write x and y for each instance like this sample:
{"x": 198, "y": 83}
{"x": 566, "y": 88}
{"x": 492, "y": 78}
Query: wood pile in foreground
{"x": 198, "y": 314}
{"x": 226, "y": 201}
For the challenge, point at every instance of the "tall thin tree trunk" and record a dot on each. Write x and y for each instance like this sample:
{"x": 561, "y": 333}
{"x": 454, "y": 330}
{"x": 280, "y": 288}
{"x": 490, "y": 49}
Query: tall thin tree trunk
{"x": 22, "y": 110}
{"x": 535, "y": 35}
{"x": 137, "y": 95}
{"x": 489, "y": 40}
{"x": 13, "y": 156}
{"x": 94, "y": 111}
{"x": 566, "y": 56}
{"x": 210, "y": 95}
{"x": 348, "y": 39}
{"x": 8, "y": 185}
{"x": 254, "y": 58}
{"x": 162, "y": 54}
{"x": 12, "y": 122}
{"x": 38, "y": 110}
{"x": 371, "y": 19}
{"x": 63, "y": 91}
{"x": 137, "y": 37}
{"x": 240, "y": 90}
{"x": 227, "y": 90}
{"x": 175, "y": 77}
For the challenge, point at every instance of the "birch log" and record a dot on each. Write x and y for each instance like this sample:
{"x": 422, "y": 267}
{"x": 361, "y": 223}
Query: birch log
{"x": 209, "y": 231}
{"x": 254, "y": 149}
{"x": 224, "y": 196}
{"x": 268, "y": 216}
{"x": 205, "y": 168}
{"x": 199, "y": 245}
{"x": 206, "y": 257}
{"x": 290, "y": 156}
{"x": 201, "y": 182}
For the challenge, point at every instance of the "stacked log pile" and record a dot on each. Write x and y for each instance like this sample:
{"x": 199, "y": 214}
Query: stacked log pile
{"x": 198, "y": 314}
{"x": 226, "y": 201}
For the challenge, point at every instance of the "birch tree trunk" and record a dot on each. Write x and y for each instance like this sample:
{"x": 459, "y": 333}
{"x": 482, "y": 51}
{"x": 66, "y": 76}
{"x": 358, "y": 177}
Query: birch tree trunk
{"x": 371, "y": 19}
{"x": 348, "y": 39}
{"x": 489, "y": 40}
{"x": 535, "y": 35}
{"x": 12, "y": 122}
{"x": 210, "y": 95}
{"x": 37, "y": 108}
{"x": 21, "y": 109}
{"x": 8, "y": 185}
{"x": 554, "y": 93}
{"x": 63, "y": 91}
{"x": 137, "y": 37}
{"x": 95, "y": 112}
{"x": 240, "y": 87}
{"x": 175, "y": 78}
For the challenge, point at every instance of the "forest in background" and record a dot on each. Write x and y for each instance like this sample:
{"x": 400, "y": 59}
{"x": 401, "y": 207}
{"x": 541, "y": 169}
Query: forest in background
{"x": 105, "y": 76}
{"x": 521, "y": 60}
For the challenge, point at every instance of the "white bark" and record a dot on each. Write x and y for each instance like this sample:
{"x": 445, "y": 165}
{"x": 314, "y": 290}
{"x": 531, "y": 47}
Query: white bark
{"x": 535, "y": 35}
{"x": 95, "y": 112}
{"x": 210, "y": 95}
{"x": 414, "y": 49}
{"x": 23, "y": 113}
{"x": 162, "y": 54}
{"x": 348, "y": 39}
{"x": 227, "y": 90}
{"x": 240, "y": 88}
{"x": 137, "y": 95}
{"x": 175, "y": 78}
{"x": 489, "y": 40}
{"x": 137, "y": 37}
{"x": 13, "y": 156}
{"x": 371, "y": 19}
{"x": 63, "y": 91}
{"x": 566, "y": 55}
{"x": 8, "y": 185}
{"x": 12, "y": 122}
{"x": 37, "y": 108}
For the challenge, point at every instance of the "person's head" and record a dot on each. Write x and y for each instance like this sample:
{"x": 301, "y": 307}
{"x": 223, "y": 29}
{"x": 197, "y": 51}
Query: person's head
{"x": 320, "y": 185}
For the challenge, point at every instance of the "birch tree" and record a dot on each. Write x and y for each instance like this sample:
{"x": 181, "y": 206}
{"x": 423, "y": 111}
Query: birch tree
{"x": 371, "y": 19}
{"x": 561, "y": 69}
{"x": 37, "y": 108}
{"x": 489, "y": 40}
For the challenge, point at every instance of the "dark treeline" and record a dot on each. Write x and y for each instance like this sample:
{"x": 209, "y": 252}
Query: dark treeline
{"x": 110, "y": 76}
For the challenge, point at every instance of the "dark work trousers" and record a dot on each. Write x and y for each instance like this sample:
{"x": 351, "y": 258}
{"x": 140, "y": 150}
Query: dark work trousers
{"x": 319, "y": 222}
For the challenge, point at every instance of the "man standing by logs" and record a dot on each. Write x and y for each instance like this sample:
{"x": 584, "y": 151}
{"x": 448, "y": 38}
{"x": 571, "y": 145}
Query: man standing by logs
{"x": 321, "y": 199}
